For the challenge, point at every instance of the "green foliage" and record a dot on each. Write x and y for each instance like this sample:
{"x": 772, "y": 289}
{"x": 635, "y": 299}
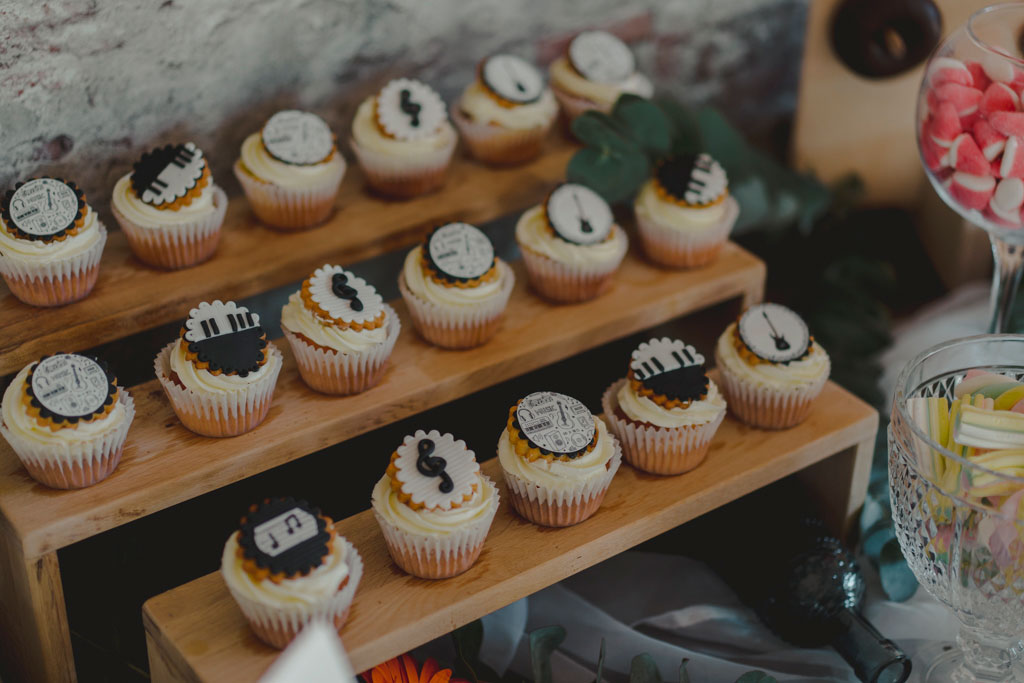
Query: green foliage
{"x": 684, "y": 675}
{"x": 468, "y": 665}
{"x": 543, "y": 642}
{"x": 756, "y": 677}
{"x": 643, "y": 669}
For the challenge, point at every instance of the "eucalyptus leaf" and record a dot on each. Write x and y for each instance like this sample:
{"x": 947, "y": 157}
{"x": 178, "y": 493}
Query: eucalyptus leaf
{"x": 600, "y": 663}
{"x": 644, "y": 122}
{"x": 643, "y": 669}
{"x": 614, "y": 174}
{"x": 724, "y": 143}
{"x": 756, "y": 677}
{"x": 543, "y": 642}
{"x": 599, "y": 130}
{"x": 684, "y": 675}
{"x": 468, "y": 641}
{"x": 897, "y": 579}
{"x": 684, "y": 130}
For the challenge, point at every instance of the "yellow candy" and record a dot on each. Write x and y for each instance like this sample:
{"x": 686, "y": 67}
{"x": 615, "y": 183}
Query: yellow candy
{"x": 1009, "y": 398}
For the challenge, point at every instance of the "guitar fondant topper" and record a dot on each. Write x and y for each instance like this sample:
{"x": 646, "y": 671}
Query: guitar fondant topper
{"x": 409, "y": 110}
{"x": 225, "y": 336}
{"x": 578, "y": 215}
{"x": 297, "y": 137}
{"x": 696, "y": 179}
{"x": 512, "y": 78}
{"x": 670, "y": 368}
{"x": 342, "y": 297}
{"x": 459, "y": 252}
{"x": 555, "y": 423}
{"x": 601, "y": 57}
{"x": 43, "y": 209}
{"x": 284, "y": 537}
{"x": 68, "y": 387}
{"x": 168, "y": 174}
{"x": 774, "y": 333}
{"x": 434, "y": 471}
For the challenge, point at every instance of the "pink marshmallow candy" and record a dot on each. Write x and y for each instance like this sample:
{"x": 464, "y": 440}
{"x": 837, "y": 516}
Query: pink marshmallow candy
{"x": 965, "y": 156}
{"x": 972, "y": 191}
{"x": 1007, "y": 200}
{"x": 990, "y": 141}
{"x": 1012, "y": 164}
{"x": 963, "y": 97}
{"x": 998, "y": 97}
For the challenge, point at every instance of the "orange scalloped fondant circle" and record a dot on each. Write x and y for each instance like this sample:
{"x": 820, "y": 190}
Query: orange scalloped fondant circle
{"x": 193, "y": 358}
{"x": 661, "y": 399}
{"x": 313, "y": 307}
{"x": 406, "y": 499}
{"x": 752, "y": 358}
{"x": 43, "y": 421}
{"x": 258, "y": 573}
{"x": 431, "y": 272}
{"x": 670, "y": 198}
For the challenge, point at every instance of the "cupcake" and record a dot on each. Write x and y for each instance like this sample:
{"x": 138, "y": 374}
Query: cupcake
{"x": 50, "y": 242}
{"x": 291, "y": 170}
{"x": 595, "y": 70}
{"x": 505, "y": 114}
{"x": 557, "y": 459}
{"x": 66, "y": 419}
{"x": 340, "y": 331}
{"x": 666, "y": 410}
{"x": 220, "y": 373}
{"x": 434, "y": 506}
{"x": 455, "y": 288}
{"x": 169, "y": 208}
{"x": 287, "y": 566}
{"x": 771, "y": 367}
{"x": 571, "y": 245}
{"x": 402, "y": 139}
{"x": 684, "y": 213}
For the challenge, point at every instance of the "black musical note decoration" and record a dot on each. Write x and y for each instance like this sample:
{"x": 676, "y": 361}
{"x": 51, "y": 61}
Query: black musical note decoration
{"x": 433, "y": 466}
{"x": 284, "y": 536}
{"x": 780, "y": 341}
{"x": 342, "y": 290}
{"x": 409, "y": 107}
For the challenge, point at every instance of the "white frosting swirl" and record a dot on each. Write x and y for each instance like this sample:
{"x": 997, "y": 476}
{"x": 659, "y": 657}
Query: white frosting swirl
{"x": 797, "y": 374}
{"x": 423, "y": 286}
{"x": 315, "y": 587}
{"x": 259, "y": 164}
{"x": 557, "y": 474}
{"x": 569, "y": 80}
{"x": 366, "y": 134}
{"x": 683, "y": 218}
{"x": 299, "y": 319}
{"x": 480, "y": 106}
{"x": 146, "y": 216}
{"x": 433, "y": 522}
{"x": 203, "y": 381}
{"x": 533, "y": 233}
{"x": 39, "y": 252}
{"x": 643, "y": 409}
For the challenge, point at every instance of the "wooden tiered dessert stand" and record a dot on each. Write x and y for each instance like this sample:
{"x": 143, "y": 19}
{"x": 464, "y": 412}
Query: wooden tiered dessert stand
{"x": 195, "y": 632}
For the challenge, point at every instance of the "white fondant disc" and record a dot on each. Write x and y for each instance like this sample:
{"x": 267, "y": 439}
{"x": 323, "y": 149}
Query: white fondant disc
{"x": 297, "y": 137}
{"x": 43, "y": 206}
{"x": 512, "y": 78}
{"x": 601, "y": 57}
{"x": 555, "y": 422}
{"x": 774, "y": 332}
{"x": 461, "y": 250}
{"x": 70, "y": 385}
{"x": 578, "y": 214}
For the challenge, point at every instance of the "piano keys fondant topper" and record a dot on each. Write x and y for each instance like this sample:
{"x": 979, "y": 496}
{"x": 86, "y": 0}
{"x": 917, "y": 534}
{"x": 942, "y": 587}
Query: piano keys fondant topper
{"x": 342, "y": 298}
{"x": 691, "y": 180}
{"x": 601, "y": 57}
{"x": 434, "y": 471}
{"x": 297, "y": 137}
{"x": 409, "y": 110}
{"x": 44, "y": 209}
{"x": 171, "y": 176}
{"x": 66, "y": 388}
{"x": 511, "y": 79}
{"x": 224, "y": 337}
{"x": 551, "y": 425}
{"x": 578, "y": 215}
{"x": 459, "y": 253}
{"x": 669, "y": 372}
{"x": 283, "y": 538}
{"x": 774, "y": 334}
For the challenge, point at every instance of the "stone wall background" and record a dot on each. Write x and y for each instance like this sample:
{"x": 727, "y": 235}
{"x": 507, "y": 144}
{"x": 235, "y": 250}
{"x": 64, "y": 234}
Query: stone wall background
{"x": 87, "y": 85}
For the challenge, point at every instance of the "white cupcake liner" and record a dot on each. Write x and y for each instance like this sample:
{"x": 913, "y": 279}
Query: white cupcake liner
{"x": 433, "y": 556}
{"x": 341, "y": 373}
{"x": 462, "y": 326}
{"x": 655, "y": 449}
{"x": 292, "y": 618}
{"x": 684, "y": 248}
{"x": 767, "y": 407}
{"x": 495, "y": 144}
{"x": 401, "y": 175}
{"x": 222, "y": 414}
{"x": 572, "y": 282}
{"x": 175, "y": 245}
{"x": 579, "y": 493}
{"x": 46, "y": 283}
{"x": 291, "y": 208}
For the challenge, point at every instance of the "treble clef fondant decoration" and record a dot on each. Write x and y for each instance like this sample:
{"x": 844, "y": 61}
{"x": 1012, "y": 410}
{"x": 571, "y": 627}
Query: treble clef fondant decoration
{"x": 433, "y": 466}
{"x": 780, "y": 341}
{"x": 410, "y": 107}
{"x": 342, "y": 290}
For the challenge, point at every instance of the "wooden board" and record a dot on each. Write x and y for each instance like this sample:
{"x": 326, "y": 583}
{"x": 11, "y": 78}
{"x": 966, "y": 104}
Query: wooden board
{"x": 164, "y": 464}
{"x": 130, "y": 297}
{"x": 198, "y": 633}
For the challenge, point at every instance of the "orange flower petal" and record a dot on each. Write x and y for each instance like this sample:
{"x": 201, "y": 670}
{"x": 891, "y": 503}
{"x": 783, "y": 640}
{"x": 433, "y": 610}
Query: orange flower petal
{"x": 395, "y": 670}
{"x": 442, "y": 676}
{"x": 430, "y": 667}
{"x": 410, "y": 670}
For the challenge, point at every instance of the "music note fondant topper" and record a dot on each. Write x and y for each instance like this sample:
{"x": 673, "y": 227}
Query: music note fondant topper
{"x": 409, "y": 110}
{"x": 695, "y": 179}
{"x": 68, "y": 387}
{"x": 601, "y": 57}
{"x": 167, "y": 174}
{"x": 226, "y": 337}
{"x": 297, "y": 137}
{"x": 434, "y": 471}
{"x": 341, "y": 296}
{"x": 43, "y": 209}
{"x": 555, "y": 424}
{"x": 512, "y": 78}
{"x": 670, "y": 368}
{"x": 459, "y": 252}
{"x": 774, "y": 333}
{"x": 284, "y": 537}
{"x": 578, "y": 215}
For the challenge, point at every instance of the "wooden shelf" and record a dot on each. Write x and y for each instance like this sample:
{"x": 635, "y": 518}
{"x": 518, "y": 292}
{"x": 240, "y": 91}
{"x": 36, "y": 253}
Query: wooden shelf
{"x": 197, "y": 633}
{"x": 164, "y": 464}
{"x": 131, "y": 297}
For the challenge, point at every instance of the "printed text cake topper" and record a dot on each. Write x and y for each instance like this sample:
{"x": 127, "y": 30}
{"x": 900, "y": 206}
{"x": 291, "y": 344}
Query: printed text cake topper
{"x": 297, "y": 137}
{"x": 555, "y": 423}
{"x": 43, "y": 208}
{"x": 70, "y": 386}
{"x": 460, "y": 251}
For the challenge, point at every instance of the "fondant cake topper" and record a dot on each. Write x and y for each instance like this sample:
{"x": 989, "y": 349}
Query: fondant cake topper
{"x": 226, "y": 337}
{"x": 459, "y": 252}
{"x": 284, "y": 537}
{"x": 68, "y": 387}
{"x": 340, "y": 296}
{"x": 578, "y": 215}
{"x": 601, "y": 57}
{"x": 670, "y": 368}
{"x": 167, "y": 174}
{"x": 697, "y": 180}
{"x": 409, "y": 110}
{"x": 774, "y": 333}
{"x": 555, "y": 424}
{"x": 44, "y": 209}
{"x": 512, "y": 78}
{"x": 434, "y": 471}
{"x": 297, "y": 137}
